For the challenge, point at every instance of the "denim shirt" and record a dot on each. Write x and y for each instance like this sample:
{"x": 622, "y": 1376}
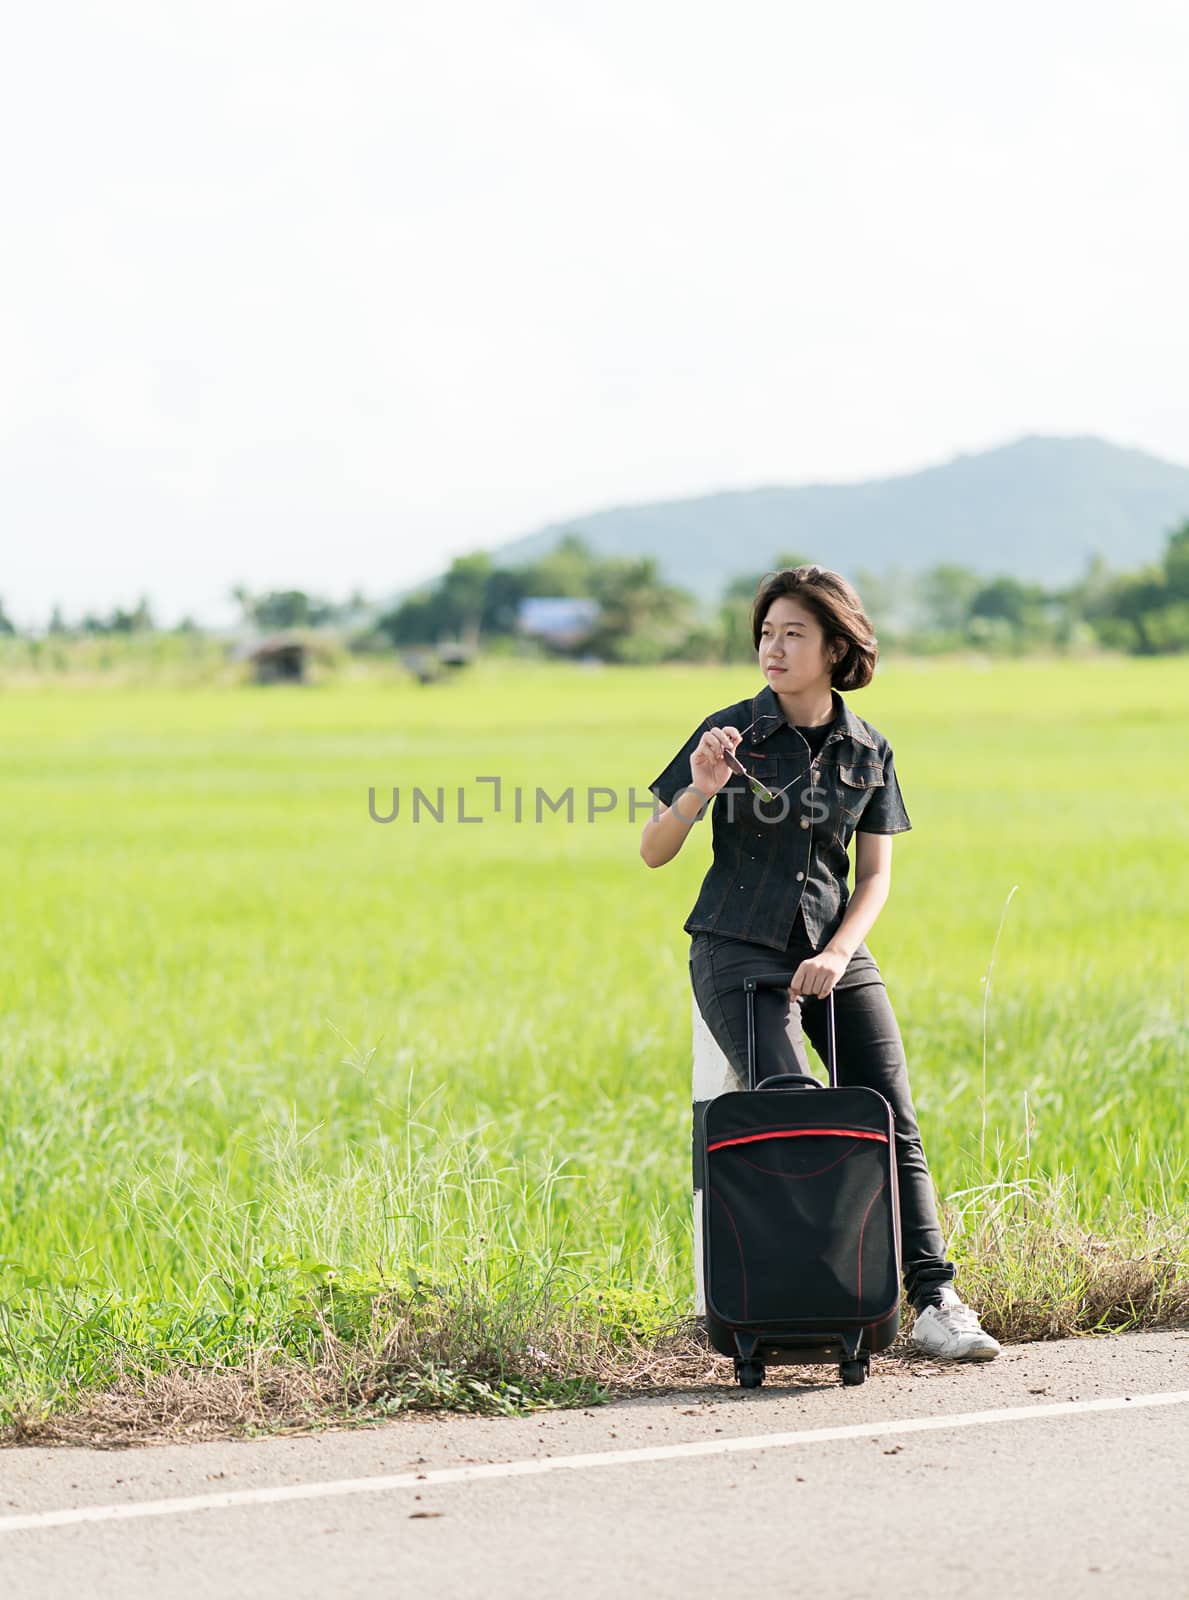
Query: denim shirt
{"x": 773, "y": 859}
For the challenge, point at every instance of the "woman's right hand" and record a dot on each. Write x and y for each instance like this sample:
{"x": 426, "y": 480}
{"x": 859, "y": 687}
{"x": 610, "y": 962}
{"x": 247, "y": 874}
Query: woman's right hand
{"x": 708, "y": 771}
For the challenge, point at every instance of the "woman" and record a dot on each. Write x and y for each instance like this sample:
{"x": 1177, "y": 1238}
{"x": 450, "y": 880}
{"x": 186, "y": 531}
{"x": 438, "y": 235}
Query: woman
{"x": 776, "y": 897}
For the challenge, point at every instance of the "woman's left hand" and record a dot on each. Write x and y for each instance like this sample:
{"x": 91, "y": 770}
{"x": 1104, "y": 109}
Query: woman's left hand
{"x": 817, "y": 975}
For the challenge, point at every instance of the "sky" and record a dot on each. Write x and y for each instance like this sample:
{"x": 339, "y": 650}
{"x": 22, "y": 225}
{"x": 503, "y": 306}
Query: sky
{"x": 319, "y": 296}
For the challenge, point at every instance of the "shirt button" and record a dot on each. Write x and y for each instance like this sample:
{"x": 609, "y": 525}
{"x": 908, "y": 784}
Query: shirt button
{"x": 800, "y": 875}
{"x": 804, "y": 822}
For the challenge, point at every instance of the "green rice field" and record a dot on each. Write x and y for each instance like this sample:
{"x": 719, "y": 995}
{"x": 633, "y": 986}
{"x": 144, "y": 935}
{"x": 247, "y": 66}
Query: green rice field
{"x": 254, "y": 1043}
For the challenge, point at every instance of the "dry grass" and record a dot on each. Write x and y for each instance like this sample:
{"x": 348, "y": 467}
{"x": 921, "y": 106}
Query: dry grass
{"x": 462, "y": 1353}
{"x": 348, "y": 1387}
{"x": 1035, "y": 1271}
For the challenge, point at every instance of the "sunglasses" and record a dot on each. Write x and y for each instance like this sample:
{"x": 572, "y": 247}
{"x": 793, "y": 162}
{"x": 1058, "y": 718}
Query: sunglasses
{"x": 760, "y": 790}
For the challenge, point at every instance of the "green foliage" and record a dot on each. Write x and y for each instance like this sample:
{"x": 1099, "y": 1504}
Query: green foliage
{"x": 734, "y": 614}
{"x": 641, "y": 619}
{"x": 473, "y": 598}
{"x": 568, "y": 569}
{"x": 1176, "y": 563}
{"x": 947, "y": 595}
{"x": 1165, "y": 628}
{"x": 138, "y": 620}
{"x": 644, "y": 620}
{"x": 888, "y": 598}
{"x": 291, "y": 608}
{"x": 427, "y": 1386}
{"x": 151, "y": 660}
{"x": 1142, "y": 613}
{"x": 415, "y": 621}
{"x": 1145, "y": 612}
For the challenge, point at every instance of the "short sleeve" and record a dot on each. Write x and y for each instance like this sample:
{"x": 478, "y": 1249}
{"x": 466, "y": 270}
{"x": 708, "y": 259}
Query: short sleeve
{"x": 885, "y": 811}
{"x": 676, "y": 776}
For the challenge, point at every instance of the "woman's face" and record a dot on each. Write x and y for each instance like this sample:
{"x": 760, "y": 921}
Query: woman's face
{"x": 792, "y": 648}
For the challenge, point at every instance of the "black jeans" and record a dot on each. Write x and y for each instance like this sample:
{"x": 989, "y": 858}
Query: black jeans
{"x": 869, "y": 1051}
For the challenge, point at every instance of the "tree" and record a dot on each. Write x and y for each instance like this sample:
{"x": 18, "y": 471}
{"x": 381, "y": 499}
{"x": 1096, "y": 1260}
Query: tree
{"x": 1165, "y": 622}
{"x": 416, "y": 620}
{"x": 138, "y": 620}
{"x": 886, "y": 597}
{"x": 567, "y": 570}
{"x": 291, "y": 608}
{"x": 1008, "y": 610}
{"x": 734, "y": 613}
{"x": 946, "y": 594}
{"x": 1176, "y": 563}
{"x": 738, "y": 600}
{"x": 462, "y": 594}
{"x": 642, "y": 619}
{"x": 1166, "y": 628}
{"x": 506, "y": 588}
{"x": 472, "y": 597}
{"x": 1121, "y": 613}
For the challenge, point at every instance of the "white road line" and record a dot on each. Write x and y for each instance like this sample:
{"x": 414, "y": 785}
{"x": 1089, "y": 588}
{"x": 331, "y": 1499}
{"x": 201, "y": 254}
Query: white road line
{"x": 602, "y": 1458}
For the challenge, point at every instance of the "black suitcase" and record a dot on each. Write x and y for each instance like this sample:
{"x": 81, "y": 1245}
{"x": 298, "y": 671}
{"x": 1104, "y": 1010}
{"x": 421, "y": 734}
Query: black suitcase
{"x": 800, "y": 1218}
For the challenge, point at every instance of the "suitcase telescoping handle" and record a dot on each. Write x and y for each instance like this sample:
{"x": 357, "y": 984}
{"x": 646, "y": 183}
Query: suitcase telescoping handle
{"x": 776, "y": 980}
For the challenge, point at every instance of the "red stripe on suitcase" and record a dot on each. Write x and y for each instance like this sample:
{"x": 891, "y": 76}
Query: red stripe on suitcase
{"x": 800, "y": 1133}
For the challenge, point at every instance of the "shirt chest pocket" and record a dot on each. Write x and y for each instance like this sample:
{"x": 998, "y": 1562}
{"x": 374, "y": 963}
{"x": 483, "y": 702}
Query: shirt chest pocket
{"x": 856, "y": 784}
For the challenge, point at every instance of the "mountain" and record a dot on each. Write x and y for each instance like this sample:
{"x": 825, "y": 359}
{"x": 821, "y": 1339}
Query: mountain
{"x": 1038, "y": 508}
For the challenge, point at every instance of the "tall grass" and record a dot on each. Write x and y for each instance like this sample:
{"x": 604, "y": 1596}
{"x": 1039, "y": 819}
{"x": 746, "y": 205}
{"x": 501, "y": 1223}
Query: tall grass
{"x": 261, "y": 1056}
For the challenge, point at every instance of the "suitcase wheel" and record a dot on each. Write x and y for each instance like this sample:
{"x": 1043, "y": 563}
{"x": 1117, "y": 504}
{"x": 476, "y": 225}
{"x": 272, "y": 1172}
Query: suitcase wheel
{"x": 852, "y": 1372}
{"x": 749, "y": 1373}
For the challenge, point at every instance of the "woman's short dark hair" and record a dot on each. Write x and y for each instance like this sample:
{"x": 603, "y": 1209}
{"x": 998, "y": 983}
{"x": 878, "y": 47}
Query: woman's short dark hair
{"x": 836, "y": 605}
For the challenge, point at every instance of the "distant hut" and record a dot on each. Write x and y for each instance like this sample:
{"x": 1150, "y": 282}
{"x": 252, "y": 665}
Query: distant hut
{"x": 281, "y": 658}
{"x": 562, "y": 621}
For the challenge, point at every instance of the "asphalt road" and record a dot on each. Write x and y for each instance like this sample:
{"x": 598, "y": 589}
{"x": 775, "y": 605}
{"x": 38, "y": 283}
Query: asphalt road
{"x": 1058, "y": 1470}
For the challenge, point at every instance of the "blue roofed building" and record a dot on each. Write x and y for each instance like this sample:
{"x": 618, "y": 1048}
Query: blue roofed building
{"x": 563, "y": 621}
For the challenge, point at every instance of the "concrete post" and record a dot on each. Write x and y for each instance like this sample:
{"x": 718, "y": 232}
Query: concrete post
{"x": 713, "y": 1075}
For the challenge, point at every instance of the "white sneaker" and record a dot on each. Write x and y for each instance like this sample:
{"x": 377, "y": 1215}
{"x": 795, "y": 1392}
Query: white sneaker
{"x": 952, "y": 1333}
